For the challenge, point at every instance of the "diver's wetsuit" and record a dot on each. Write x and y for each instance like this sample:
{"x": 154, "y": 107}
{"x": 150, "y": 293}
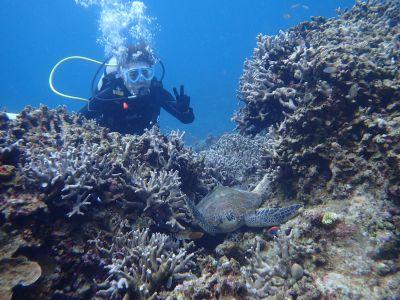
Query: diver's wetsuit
{"x": 133, "y": 115}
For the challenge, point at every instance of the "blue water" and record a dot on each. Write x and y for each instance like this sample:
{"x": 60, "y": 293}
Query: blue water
{"x": 202, "y": 43}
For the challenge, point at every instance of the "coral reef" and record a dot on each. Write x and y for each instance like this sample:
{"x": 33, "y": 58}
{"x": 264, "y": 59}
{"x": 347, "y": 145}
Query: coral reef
{"x": 350, "y": 58}
{"x": 331, "y": 88}
{"x": 65, "y": 179}
{"x": 143, "y": 264}
{"x": 77, "y": 164}
{"x": 86, "y": 213}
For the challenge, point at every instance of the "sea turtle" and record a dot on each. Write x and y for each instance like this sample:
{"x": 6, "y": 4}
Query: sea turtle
{"x": 226, "y": 209}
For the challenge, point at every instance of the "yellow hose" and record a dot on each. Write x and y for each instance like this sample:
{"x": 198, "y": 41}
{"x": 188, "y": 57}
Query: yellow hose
{"x": 60, "y": 63}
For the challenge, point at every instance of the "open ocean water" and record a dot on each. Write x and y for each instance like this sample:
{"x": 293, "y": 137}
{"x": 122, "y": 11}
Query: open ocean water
{"x": 203, "y": 45}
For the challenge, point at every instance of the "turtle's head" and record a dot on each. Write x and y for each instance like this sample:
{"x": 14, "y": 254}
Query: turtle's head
{"x": 200, "y": 219}
{"x": 228, "y": 222}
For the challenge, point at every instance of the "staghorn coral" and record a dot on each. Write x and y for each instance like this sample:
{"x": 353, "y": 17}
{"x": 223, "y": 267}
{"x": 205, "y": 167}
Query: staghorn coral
{"x": 159, "y": 193}
{"x": 79, "y": 164}
{"x": 65, "y": 164}
{"x": 141, "y": 264}
{"x": 39, "y": 137}
{"x": 81, "y": 168}
{"x": 168, "y": 153}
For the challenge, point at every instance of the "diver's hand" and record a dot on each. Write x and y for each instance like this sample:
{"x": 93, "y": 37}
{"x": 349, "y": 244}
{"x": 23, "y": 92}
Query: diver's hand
{"x": 182, "y": 100}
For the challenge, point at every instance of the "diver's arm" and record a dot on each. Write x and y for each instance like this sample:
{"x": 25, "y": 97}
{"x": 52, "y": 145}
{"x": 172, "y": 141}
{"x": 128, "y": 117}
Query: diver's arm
{"x": 178, "y": 107}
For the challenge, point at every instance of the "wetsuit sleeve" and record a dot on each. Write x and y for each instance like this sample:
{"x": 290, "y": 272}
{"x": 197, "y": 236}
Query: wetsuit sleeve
{"x": 169, "y": 103}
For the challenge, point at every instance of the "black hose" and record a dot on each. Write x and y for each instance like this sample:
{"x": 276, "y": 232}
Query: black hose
{"x": 163, "y": 70}
{"x": 95, "y": 76}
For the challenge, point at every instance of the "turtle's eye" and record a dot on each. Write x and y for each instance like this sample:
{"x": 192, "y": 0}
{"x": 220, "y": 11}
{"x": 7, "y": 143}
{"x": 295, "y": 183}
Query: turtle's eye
{"x": 230, "y": 216}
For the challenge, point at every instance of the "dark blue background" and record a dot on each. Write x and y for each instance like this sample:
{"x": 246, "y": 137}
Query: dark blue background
{"x": 202, "y": 43}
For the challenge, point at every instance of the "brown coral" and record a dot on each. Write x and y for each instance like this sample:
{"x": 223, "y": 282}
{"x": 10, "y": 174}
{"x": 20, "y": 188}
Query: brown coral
{"x": 17, "y": 272}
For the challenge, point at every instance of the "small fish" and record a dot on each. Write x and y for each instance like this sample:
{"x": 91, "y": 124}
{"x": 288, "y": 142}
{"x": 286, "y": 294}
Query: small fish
{"x": 287, "y": 16}
{"x": 353, "y": 91}
{"x": 189, "y": 235}
{"x": 296, "y": 6}
{"x": 330, "y": 70}
{"x": 273, "y": 231}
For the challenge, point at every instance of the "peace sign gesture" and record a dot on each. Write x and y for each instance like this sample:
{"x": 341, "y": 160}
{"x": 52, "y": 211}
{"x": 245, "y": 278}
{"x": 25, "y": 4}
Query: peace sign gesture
{"x": 182, "y": 100}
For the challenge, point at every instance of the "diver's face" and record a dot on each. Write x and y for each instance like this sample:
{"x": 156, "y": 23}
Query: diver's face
{"x": 137, "y": 77}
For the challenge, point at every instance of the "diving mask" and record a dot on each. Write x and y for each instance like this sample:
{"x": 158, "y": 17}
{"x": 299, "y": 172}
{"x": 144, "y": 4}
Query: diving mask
{"x": 134, "y": 74}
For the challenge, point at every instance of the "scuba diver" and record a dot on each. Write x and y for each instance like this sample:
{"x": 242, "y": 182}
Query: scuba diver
{"x": 129, "y": 97}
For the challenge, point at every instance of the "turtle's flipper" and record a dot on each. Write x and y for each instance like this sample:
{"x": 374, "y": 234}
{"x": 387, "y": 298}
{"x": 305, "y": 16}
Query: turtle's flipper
{"x": 199, "y": 218}
{"x": 264, "y": 217}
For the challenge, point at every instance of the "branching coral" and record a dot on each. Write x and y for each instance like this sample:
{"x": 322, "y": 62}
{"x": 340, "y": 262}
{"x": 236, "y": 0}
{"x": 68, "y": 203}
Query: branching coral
{"x": 78, "y": 163}
{"x": 272, "y": 269}
{"x": 159, "y": 192}
{"x": 143, "y": 264}
{"x": 170, "y": 153}
{"x": 80, "y": 168}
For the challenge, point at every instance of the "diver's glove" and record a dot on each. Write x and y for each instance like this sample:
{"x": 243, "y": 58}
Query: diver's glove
{"x": 182, "y": 100}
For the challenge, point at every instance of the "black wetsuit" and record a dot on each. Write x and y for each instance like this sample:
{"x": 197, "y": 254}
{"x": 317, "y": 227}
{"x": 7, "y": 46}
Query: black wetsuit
{"x": 134, "y": 115}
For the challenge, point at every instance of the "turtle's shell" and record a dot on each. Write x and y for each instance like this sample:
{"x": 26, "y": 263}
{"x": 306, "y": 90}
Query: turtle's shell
{"x": 226, "y": 207}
